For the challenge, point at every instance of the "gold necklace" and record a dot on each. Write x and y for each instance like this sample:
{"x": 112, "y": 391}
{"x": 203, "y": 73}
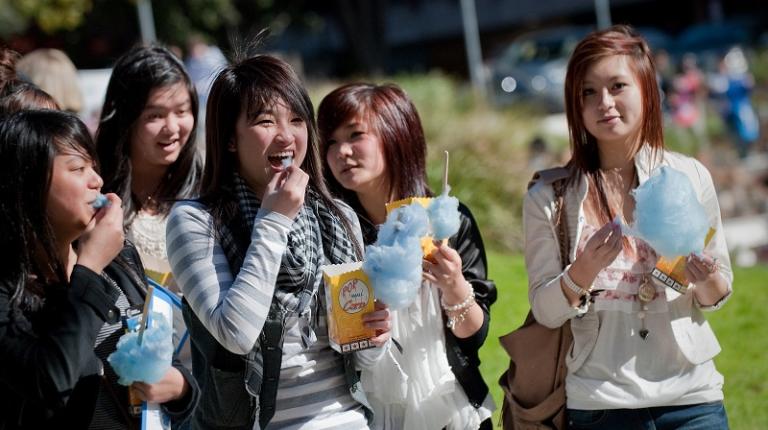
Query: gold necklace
{"x": 645, "y": 295}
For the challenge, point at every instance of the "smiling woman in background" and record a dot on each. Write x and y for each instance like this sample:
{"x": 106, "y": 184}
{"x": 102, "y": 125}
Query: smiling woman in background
{"x": 146, "y": 146}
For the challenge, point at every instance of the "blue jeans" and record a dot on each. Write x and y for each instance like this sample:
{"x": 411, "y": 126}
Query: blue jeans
{"x": 703, "y": 416}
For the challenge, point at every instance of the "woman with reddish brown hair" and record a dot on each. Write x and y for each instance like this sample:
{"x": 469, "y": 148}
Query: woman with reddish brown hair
{"x": 638, "y": 360}
{"x": 374, "y": 152}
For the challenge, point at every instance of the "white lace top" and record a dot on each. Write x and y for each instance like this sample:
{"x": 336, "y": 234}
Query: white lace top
{"x": 147, "y": 232}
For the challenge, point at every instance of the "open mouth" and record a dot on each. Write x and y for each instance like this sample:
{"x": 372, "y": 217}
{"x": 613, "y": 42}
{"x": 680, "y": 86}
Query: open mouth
{"x": 166, "y": 145}
{"x": 281, "y": 159}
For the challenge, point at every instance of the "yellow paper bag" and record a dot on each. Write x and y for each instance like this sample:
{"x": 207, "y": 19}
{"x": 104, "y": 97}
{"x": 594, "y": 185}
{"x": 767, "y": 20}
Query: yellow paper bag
{"x": 671, "y": 272}
{"x": 348, "y": 296}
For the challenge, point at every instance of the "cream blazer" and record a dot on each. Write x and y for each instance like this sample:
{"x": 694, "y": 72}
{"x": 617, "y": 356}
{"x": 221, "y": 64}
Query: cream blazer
{"x": 542, "y": 258}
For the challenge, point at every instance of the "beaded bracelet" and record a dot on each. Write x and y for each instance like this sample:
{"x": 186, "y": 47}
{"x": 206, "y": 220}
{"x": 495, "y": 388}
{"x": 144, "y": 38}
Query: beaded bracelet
{"x": 466, "y": 303}
{"x": 573, "y": 286}
{"x": 458, "y": 319}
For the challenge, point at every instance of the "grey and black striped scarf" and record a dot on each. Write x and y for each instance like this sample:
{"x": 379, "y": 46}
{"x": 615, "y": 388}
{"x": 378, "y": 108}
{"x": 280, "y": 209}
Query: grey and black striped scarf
{"x": 317, "y": 237}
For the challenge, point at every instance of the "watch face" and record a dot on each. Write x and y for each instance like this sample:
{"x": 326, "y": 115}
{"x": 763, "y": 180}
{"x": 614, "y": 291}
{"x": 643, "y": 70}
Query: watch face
{"x": 353, "y": 296}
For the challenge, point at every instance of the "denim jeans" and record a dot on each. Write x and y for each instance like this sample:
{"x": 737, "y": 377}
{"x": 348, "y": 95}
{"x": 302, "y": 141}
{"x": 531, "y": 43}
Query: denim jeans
{"x": 703, "y": 416}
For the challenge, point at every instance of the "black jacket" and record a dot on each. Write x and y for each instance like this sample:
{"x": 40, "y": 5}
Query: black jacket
{"x": 463, "y": 353}
{"x": 49, "y": 374}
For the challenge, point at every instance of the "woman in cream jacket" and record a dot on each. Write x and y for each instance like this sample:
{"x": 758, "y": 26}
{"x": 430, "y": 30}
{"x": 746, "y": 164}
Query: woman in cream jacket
{"x": 637, "y": 359}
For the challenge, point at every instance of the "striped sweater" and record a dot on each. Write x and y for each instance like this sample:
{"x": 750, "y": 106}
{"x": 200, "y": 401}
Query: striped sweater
{"x": 312, "y": 392}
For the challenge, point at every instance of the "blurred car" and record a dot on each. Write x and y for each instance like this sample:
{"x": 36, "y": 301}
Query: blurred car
{"x": 533, "y": 66}
{"x": 710, "y": 41}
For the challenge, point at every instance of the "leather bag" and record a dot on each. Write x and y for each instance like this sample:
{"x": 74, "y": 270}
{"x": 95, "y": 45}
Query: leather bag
{"x": 534, "y": 383}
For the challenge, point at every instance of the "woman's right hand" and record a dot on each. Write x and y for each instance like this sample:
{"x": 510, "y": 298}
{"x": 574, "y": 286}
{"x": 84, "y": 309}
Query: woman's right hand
{"x": 599, "y": 252}
{"x": 103, "y": 239}
{"x": 284, "y": 193}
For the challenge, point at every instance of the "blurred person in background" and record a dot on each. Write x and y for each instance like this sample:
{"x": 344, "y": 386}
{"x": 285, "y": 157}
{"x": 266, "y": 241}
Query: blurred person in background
{"x": 733, "y": 85}
{"x": 374, "y": 152}
{"x": 8, "y": 59}
{"x": 20, "y": 95}
{"x": 54, "y": 73}
{"x": 642, "y": 354}
{"x": 687, "y": 99}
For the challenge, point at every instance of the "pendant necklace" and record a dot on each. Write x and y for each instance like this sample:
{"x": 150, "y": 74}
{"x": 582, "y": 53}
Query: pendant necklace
{"x": 645, "y": 294}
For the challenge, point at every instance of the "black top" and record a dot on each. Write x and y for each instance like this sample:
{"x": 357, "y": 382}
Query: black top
{"x": 463, "y": 353}
{"x": 49, "y": 374}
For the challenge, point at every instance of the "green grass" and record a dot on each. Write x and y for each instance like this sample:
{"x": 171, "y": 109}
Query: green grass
{"x": 740, "y": 326}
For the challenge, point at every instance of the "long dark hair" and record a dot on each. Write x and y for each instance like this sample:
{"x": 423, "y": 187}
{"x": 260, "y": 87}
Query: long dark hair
{"x": 394, "y": 119}
{"x": 585, "y": 158}
{"x": 252, "y": 84}
{"x": 134, "y": 76}
{"x": 29, "y": 142}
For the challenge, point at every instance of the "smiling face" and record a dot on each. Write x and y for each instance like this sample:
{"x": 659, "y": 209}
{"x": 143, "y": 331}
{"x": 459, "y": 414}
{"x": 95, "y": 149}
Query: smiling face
{"x": 356, "y": 158}
{"x": 264, "y": 140}
{"x": 163, "y": 128}
{"x": 74, "y": 187}
{"x": 612, "y": 108}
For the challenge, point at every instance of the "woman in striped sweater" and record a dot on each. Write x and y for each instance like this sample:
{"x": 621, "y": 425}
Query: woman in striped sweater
{"x": 247, "y": 257}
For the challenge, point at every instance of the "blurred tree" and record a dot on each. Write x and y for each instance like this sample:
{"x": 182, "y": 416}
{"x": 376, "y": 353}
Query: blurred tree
{"x": 49, "y": 15}
{"x": 177, "y": 20}
{"x": 364, "y": 26}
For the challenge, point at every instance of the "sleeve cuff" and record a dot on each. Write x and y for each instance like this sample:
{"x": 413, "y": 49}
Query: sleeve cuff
{"x": 180, "y": 409}
{"x": 276, "y": 217}
{"x": 716, "y": 306}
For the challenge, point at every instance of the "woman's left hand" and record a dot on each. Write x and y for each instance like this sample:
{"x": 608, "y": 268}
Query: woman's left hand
{"x": 172, "y": 386}
{"x": 445, "y": 272}
{"x": 381, "y": 321}
{"x": 700, "y": 268}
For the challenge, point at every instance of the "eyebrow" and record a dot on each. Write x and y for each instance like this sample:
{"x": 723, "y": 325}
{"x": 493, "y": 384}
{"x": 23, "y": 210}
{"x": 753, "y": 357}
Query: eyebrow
{"x": 147, "y": 107}
{"x": 612, "y": 78}
{"x": 72, "y": 157}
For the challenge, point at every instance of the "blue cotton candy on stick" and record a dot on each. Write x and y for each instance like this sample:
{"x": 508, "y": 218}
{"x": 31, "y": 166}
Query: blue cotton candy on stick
{"x": 406, "y": 221}
{"x": 100, "y": 201}
{"x": 444, "y": 216}
{"x": 393, "y": 262}
{"x": 668, "y": 215}
{"x": 148, "y": 361}
{"x": 395, "y": 271}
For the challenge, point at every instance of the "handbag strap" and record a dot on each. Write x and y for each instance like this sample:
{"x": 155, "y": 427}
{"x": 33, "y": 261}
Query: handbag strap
{"x": 561, "y": 222}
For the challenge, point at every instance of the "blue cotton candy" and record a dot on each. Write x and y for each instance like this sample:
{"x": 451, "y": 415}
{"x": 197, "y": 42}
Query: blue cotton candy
{"x": 444, "y": 216}
{"x": 395, "y": 271}
{"x": 149, "y": 361}
{"x": 393, "y": 262}
{"x": 668, "y": 215}
{"x": 100, "y": 201}
{"x": 406, "y": 221}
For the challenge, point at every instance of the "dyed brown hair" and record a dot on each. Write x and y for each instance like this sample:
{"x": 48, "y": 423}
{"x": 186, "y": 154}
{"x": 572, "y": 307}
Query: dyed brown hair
{"x": 598, "y": 45}
{"x": 394, "y": 119}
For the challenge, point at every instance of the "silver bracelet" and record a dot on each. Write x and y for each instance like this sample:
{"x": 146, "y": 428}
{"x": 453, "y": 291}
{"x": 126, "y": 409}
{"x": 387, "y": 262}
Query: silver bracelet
{"x": 458, "y": 319}
{"x": 466, "y": 303}
{"x": 573, "y": 286}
